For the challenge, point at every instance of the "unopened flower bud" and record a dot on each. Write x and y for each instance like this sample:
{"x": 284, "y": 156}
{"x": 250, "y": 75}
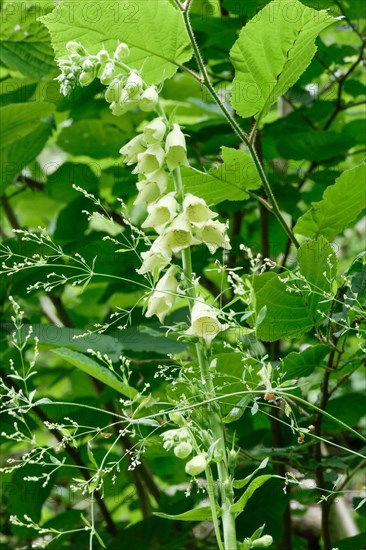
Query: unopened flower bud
{"x": 176, "y": 149}
{"x": 204, "y": 322}
{"x": 107, "y": 74}
{"x": 197, "y": 210}
{"x": 263, "y": 542}
{"x": 103, "y": 56}
{"x": 122, "y": 51}
{"x": 114, "y": 91}
{"x": 163, "y": 297}
{"x": 88, "y": 65}
{"x": 76, "y": 47}
{"x": 183, "y": 450}
{"x": 86, "y": 78}
{"x": 149, "y": 99}
{"x": 177, "y": 418}
{"x": 134, "y": 84}
{"x": 155, "y": 131}
{"x": 196, "y": 465}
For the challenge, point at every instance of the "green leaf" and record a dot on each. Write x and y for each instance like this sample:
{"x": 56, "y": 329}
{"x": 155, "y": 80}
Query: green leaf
{"x": 24, "y": 43}
{"x": 286, "y": 316}
{"x": 95, "y": 370}
{"x": 229, "y": 181}
{"x": 341, "y": 205}
{"x": 239, "y": 506}
{"x": 23, "y": 134}
{"x": 292, "y": 314}
{"x": 272, "y": 52}
{"x": 197, "y": 514}
{"x": 240, "y": 483}
{"x": 154, "y": 31}
{"x": 297, "y": 365}
{"x": 318, "y": 264}
{"x": 316, "y": 146}
{"x": 93, "y": 138}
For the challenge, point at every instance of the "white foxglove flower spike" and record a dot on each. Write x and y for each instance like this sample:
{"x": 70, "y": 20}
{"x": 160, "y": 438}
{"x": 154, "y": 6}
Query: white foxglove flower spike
{"x": 132, "y": 149}
{"x": 204, "y": 322}
{"x": 197, "y": 210}
{"x": 175, "y": 148}
{"x": 178, "y": 235}
{"x": 214, "y": 235}
{"x": 151, "y": 160}
{"x": 149, "y": 99}
{"x": 163, "y": 297}
{"x": 155, "y": 131}
{"x": 161, "y": 213}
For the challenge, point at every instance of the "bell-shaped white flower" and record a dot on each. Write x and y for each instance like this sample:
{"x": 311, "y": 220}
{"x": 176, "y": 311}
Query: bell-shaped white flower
{"x": 134, "y": 84}
{"x": 149, "y": 99}
{"x": 175, "y": 148}
{"x": 118, "y": 109}
{"x": 122, "y": 51}
{"x": 183, "y": 450}
{"x": 178, "y": 235}
{"x": 163, "y": 297}
{"x": 151, "y": 189}
{"x": 155, "y": 259}
{"x": 197, "y": 210}
{"x": 151, "y": 160}
{"x": 132, "y": 149}
{"x": 154, "y": 132}
{"x": 161, "y": 213}
{"x": 127, "y": 101}
{"x": 204, "y": 322}
{"x": 114, "y": 90}
{"x": 214, "y": 235}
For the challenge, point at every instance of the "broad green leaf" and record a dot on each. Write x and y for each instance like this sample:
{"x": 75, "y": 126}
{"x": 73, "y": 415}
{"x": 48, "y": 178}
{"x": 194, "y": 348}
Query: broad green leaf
{"x": 25, "y": 129}
{"x": 154, "y": 31}
{"x": 296, "y": 365}
{"x": 317, "y": 146}
{"x": 93, "y": 138}
{"x": 239, "y": 506}
{"x": 24, "y": 43}
{"x": 318, "y": 264}
{"x": 229, "y": 181}
{"x": 95, "y": 370}
{"x": 341, "y": 205}
{"x": 292, "y": 313}
{"x": 272, "y": 51}
{"x": 69, "y": 337}
{"x": 197, "y": 514}
{"x": 286, "y": 316}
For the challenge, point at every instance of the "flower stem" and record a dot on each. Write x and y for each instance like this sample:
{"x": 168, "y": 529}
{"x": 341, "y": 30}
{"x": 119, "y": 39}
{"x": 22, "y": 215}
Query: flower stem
{"x": 217, "y": 427}
{"x": 205, "y": 80}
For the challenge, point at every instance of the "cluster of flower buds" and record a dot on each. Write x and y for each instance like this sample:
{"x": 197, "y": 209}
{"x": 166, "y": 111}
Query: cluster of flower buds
{"x": 181, "y": 442}
{"x": 126, "y": 90}
{"x": 156, "y": 153}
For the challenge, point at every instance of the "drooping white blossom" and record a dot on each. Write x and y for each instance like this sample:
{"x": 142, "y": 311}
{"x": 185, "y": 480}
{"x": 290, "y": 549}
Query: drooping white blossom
{"x": 163, "y": 298}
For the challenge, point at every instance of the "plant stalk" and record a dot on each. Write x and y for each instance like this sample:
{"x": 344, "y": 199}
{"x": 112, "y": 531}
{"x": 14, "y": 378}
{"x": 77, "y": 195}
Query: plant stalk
{"x": 217, "y": 428}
